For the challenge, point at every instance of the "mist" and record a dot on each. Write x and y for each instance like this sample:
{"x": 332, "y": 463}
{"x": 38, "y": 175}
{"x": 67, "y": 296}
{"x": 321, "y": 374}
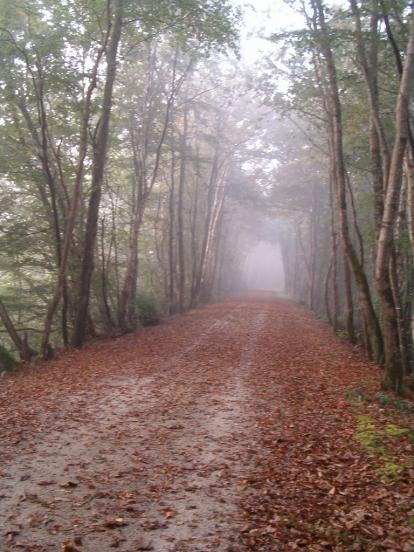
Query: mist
{"x": 263, "y": 268}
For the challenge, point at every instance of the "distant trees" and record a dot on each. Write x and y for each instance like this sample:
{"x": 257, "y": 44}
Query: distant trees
{"x": 353, "y": 91}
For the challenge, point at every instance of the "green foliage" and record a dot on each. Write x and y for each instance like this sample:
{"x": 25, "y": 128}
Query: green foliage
{"x": 47, "y": 52}
{"x": 356, "y": 397}
{"x": 368, "y": 435}
{"x": 197, "y": 27}
{"x": 396, "y": 431}
{"x": 148, "y": 309}
{"x": 395, "y": 403}
{"x": 390, "y": 470}
{"x": 374, "y": 440}
{"x": 7, "y": 361}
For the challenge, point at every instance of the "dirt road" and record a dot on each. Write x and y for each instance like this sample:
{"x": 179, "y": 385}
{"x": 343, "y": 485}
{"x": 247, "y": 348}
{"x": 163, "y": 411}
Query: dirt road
{"x": 225, "y": 429}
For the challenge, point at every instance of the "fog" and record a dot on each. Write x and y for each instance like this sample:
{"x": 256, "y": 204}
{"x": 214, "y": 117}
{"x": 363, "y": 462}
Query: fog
{"x": 263, "y": 268}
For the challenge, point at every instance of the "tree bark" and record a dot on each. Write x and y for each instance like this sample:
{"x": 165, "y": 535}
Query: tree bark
{"x": 99, "y": 160}
{"x": 171, "y": 242}
{"x": 204, "y": 245}
{"x": 26, "y": 352}
{"x": 61, "y": 283}
{"x": 334, "y": 248}
{"x": 127, "y": 310}
{"x": 393, "y": 378}
{"x": 180, "y": 212}
{"x": 339, "y": 171}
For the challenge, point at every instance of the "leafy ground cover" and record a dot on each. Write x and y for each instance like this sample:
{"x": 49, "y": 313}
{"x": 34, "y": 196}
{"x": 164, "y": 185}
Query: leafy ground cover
{"x": 240, "y": 426}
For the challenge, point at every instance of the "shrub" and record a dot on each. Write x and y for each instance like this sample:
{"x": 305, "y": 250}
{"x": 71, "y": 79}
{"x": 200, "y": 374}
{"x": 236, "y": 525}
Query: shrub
{"x": 7, "y": 361}
{"x": 149, "y": 310}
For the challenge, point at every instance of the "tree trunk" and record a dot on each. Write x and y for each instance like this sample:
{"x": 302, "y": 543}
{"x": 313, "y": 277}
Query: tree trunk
{"x": 393, "y": 378}
{"x": 106, "y": 309}
{"x": 99, "y": 160}
{"x": 26, "y": 353}
{"x": 348, "y": 303}
{"x": 180, "y": 212}
{"x": 334, "y": 248}
{"x": 171, "y": 244}
{"x": 61, "y": 284}
{"x": 127, "y": 306}
{"x": 339, "y": 171}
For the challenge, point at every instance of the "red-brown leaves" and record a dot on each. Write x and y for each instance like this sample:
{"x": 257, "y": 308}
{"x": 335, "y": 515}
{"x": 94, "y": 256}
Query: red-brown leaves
{"x": 319, "y": 488}
{"x": 230, "y": 428}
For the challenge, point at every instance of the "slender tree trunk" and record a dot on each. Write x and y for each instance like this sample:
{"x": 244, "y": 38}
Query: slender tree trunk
{"x": 348, "y": 303}
{"x": 50, "y": 177}
{"x": 215, "y": 256}
{"x": 61, "y": 284}
{"x": 212, "y": 239}
{"x": 409, "y": 176}
{"x": 369, "y": 61}
{"x": 107, "y": 315}
{"x": 312, "y": 254}
{"x": 26, "y": 352}
{"x": 307, "y": 258}
{"x": 180, "y": 212}
{"x": 334, "y": 248}
{"x": 396, "y": 294}
{"x": 339, "y": 172}
{"x": 194, "y": 241}
{"x": 327, "y": 300}
{"x": 393, "y": 378}
{"x": 99, "y": 160}
{"x": 127, "y": 313}
{"x": 171, "y": 233}
{"x": 194, "y": 248}
{"x": 288, "y": 269}
{"x": 295, "y": 287}
{"x": 127, "y": 307}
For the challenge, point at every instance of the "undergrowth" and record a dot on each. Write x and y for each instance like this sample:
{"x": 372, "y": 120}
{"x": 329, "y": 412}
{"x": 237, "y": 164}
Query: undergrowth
{"x": 7, "y": 361}
{"x": 149, "y": 310}
{"x": 380, "y": 443}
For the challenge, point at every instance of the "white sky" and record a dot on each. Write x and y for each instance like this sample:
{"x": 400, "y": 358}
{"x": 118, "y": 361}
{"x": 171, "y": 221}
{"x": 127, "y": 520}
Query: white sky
{"x": 261, "y": 18}
{"x": 264, "y": 17}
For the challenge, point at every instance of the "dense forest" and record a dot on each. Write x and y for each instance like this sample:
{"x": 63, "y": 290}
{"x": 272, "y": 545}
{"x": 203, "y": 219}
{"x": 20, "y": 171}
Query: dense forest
{"x": 141, "y": 160}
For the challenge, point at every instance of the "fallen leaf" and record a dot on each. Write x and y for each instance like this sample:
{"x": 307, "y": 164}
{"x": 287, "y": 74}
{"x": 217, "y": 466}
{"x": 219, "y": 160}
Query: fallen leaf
{"x": 45, "y": 482}
{"x": 113, "y": 523}
{"x": 69, "y": 546}
{"x": 69, "y": 485}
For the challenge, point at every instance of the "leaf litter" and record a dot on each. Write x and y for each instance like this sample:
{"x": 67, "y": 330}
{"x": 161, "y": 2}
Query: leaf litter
{"x": 234, "y": 427}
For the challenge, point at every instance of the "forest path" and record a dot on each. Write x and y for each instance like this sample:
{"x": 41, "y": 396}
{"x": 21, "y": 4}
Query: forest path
{"x": 225, "y": 429}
